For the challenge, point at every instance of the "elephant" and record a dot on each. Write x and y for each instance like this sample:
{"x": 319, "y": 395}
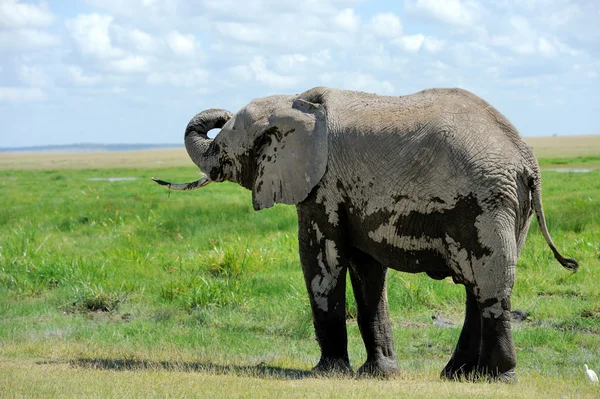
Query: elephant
{"x": 437, "y": 181}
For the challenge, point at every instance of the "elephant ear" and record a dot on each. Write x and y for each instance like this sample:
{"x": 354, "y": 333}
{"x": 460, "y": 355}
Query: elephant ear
{"x": 291, "y": 155}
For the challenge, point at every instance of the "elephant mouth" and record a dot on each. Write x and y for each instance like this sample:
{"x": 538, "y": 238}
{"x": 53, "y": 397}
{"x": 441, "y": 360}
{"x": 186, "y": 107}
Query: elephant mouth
{"x": 203, "y": 181}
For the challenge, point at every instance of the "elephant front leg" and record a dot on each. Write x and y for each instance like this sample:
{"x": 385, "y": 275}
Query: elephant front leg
{"x": 324, "y": 265}
{"x": 369, "y": 284}
{"x": 466, "y": 355}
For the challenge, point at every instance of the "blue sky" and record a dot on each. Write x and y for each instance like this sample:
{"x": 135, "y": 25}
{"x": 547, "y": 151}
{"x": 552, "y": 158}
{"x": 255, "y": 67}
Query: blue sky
{"x": 136, "y": 71}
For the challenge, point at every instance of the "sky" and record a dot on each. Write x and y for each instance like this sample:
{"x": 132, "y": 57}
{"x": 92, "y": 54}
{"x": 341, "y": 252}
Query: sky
{"x": 136, "y": 71}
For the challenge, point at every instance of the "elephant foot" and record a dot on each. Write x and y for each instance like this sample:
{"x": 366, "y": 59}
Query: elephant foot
{"x": 508, "y": 377}
{"x": 463, "y": 373}
{"x": 382, "y": 367}
{"x": 332, "y": 366}
{"x": 467, "y": 372}
{"x": 457, "y": 371}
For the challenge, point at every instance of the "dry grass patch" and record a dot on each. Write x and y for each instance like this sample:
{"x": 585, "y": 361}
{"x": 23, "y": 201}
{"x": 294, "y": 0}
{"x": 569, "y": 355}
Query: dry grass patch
{"x": 565, "y": 146}
{"x": 38, "y": 379}
{"x": 95, "y": 160}
{"x": 543, "y": 147}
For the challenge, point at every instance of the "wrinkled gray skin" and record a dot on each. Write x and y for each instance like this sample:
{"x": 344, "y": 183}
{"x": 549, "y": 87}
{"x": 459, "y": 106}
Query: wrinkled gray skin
{"x": 436, "y": 182}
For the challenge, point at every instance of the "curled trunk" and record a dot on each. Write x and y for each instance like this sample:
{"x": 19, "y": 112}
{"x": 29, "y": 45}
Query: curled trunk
{"x": 201, "y": 149}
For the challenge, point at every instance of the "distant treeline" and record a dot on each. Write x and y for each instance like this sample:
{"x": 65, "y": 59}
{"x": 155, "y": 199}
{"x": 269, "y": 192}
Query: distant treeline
{"x": 87, "y": 147}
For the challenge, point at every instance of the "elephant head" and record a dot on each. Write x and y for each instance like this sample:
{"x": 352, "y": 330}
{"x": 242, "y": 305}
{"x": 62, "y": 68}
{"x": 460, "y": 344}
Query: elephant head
{"x": 275, "y": 146}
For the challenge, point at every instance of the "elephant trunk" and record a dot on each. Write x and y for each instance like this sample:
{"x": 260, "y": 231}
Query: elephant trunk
{"x": 202, "y": 150}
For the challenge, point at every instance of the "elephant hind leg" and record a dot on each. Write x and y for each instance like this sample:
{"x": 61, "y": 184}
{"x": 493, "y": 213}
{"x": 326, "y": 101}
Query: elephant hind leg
{"x": 497, "y": 358}
{"x": 466, "y": 355}
{"x": 493, "y": 288}
{"x": 485, "y": 347}
{"x": 489, "y": 281}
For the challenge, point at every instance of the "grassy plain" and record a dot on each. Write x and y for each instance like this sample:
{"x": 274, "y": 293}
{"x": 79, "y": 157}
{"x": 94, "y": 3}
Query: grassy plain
{"x": 120, "y": 288}
{"x": 94, "y": 160}
{"x": 566, "y": 148}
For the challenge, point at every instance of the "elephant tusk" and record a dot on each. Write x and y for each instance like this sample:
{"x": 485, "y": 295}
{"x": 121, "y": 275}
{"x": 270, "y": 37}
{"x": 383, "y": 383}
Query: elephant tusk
{"x": 186, "y": 186}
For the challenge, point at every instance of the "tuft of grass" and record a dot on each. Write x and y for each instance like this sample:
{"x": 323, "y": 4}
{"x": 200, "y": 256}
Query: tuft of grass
{"x": 202, "y": 292}
{"x": 93, "y": 298}
{"x": 215, "y": 292}
{"x": 226, "y": 261}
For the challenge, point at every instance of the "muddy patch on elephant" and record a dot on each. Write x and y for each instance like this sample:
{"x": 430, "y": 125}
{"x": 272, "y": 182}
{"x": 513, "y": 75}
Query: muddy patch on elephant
{"x": 419, "y": 241}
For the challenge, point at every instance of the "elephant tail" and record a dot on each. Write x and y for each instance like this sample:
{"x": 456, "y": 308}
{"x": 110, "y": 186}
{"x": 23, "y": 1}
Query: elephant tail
{"x": 535, "y": 185}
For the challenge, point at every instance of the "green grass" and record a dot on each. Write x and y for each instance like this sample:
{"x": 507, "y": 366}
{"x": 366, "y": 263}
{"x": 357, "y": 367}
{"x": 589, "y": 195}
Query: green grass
{"x": 198, "y": 288}
{"x": 582, "y": 160}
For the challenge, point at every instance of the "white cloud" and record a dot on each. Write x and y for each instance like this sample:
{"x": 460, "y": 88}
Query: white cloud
{"x": 513, "y": 44}
{"x": 21, "y": 94}
{"x": 20, "y": 39}
{"x": 322, "y": 57}
{"x": 134, "y": 39}
{"x": 130, "y": 64}
{"x": 524, "y": 40}
{"x": 268, "y": 11}
{"x": 192, "y": 78}
{"x": 433, "y": 45}
{"x": 474, "y": 56}
{"x": 35, "y": 76}
{"x": 142, "y": 41}
{"x": 357, "y": 81}
{"x": 91, "y": 33}
{"x": 137, "y": 8}
{"x": 80, "y": 79}
{"x": 414, "y": 43}
{"x": 439, "y": 65}
{"x": 411, "y": 43}
{"x": 261, "y": 47}
{"x": 180, "y": 44}
{"x": 290, "y": 61}
{"x": 568, "y": 50}
{"x": 262, "y": 74}
{"x": 240, "y": 73}
{"x": 242, "y": 32}
{"x": 454, "y": 12}
{"x": 386, "y": 25}
{"x": 523, "y": 36}
{"x": 347, "y": 20}
{"x": 546, "y": 48}
{"x": 15, "y": 14}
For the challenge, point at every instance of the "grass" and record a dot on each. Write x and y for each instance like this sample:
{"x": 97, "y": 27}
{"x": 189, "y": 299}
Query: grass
{"x": 138, "y": 379}
{"x": 120, "y": 288}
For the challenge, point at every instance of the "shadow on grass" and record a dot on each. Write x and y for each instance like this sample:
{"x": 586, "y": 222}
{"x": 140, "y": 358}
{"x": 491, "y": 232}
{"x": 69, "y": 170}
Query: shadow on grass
{"x": 260, "y": 370}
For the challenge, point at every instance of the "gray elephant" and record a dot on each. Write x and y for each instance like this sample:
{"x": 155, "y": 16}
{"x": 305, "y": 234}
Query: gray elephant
{"x": 436, "y": 182}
